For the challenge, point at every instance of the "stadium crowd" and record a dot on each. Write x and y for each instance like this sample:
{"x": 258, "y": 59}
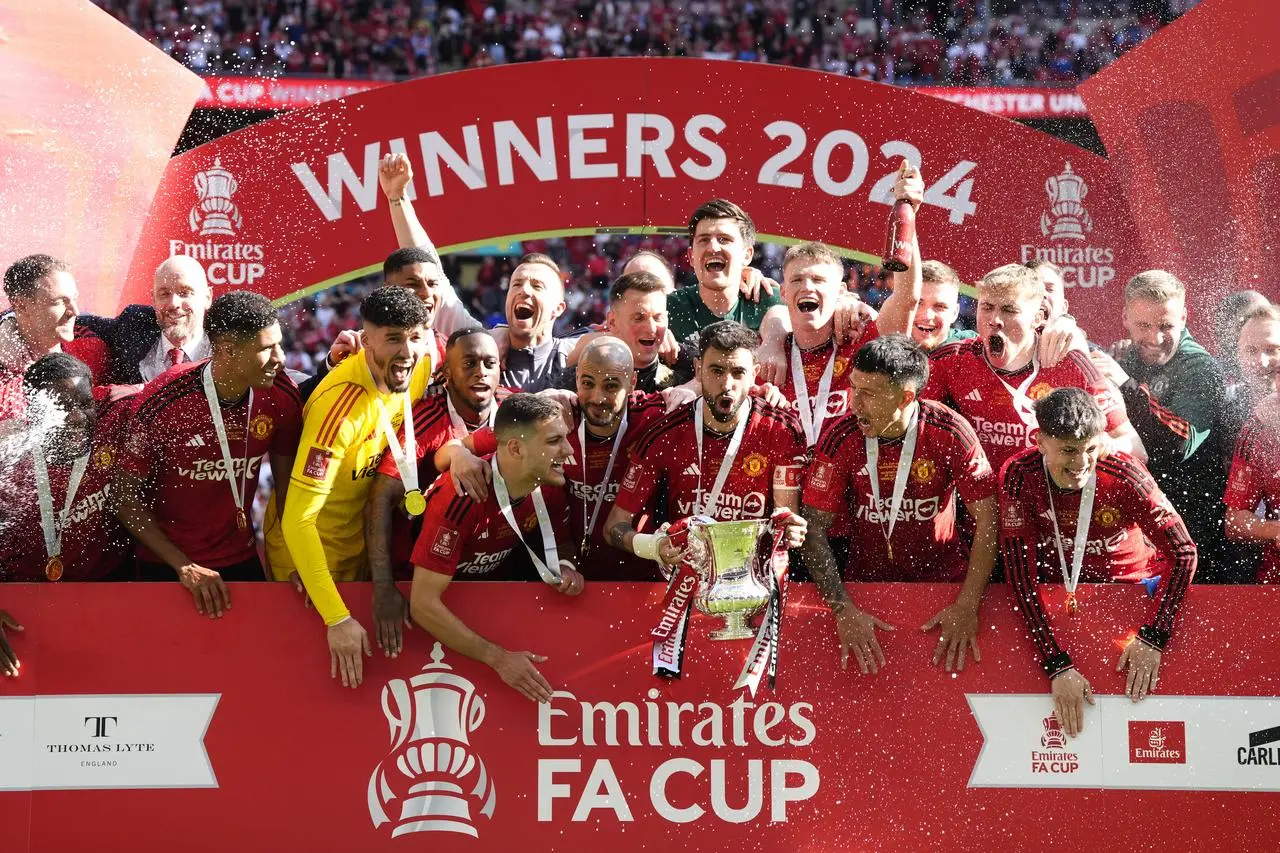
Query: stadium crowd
{"x": 929, "y": 42}
{"x": 880, "y": 445}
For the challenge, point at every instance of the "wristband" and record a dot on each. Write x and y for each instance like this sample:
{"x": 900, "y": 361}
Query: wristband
{"x": 346, "y": 618}
{"x": 400, "y": 200}
{"x": 1057, "y": 664}
{"x": 1153, "y": 637}
{"x": 645, "y": 546}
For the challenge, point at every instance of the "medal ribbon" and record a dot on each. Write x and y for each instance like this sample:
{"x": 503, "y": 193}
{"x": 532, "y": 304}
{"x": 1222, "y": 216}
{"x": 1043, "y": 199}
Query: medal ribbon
{"x": 764, "y": 651}
{"x": 904, "y": 469}
{"x": 406, "y": 457}
{"x": 460, "y": 428}
{"x": 726, "y": 465}
{"x": 590, "y": 526}
{"x": 549, "y": 571}
{"x": 52, "y": 527}
{"x": 812, "y": 414}
{"x": 1022, "y": 404}
{"x": 1071, "y": 580}
{"x": 215, "y": 413}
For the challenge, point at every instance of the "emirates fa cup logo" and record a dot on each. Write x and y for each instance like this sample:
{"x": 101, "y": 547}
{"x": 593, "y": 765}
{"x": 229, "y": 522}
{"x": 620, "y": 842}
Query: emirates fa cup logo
{"x": 1053, "y": 737}
{"x": 431, "y": 779}
{"x": 1066, "y": 218}
{"x": 215, "y": 212}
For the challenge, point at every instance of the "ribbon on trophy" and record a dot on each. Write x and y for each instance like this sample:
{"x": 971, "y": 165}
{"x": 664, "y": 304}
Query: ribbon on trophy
{"x": 673, "y": 626}
{"x": 764, "y": 651}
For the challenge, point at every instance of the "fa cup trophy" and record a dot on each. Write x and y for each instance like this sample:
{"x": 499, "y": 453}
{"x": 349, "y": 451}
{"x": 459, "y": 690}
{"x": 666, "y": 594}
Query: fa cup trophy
{"x": 731, "y": 573}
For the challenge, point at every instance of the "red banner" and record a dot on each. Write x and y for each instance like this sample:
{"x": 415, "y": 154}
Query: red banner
{"x": 289, "y": 93}
{"x": 1012, "y": 102}
{"x": 139, "y": 725}
{"x": 281, "y": 93}
{"x": 293, "y": 204}
{"x": 1191, "y": 118}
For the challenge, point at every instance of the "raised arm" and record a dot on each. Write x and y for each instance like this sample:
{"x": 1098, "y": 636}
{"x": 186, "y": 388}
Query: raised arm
{"x": 899, "y": 309}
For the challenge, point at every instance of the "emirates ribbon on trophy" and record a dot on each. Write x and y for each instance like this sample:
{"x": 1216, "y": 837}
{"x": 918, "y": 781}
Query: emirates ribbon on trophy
{"x": 673, "y": 626}
{"x": 764, "y": 651}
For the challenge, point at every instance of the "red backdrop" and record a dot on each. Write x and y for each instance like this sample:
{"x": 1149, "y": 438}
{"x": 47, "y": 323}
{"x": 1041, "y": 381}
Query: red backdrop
{"x": 293, "y": 752}
{"x": 574, "y": 147}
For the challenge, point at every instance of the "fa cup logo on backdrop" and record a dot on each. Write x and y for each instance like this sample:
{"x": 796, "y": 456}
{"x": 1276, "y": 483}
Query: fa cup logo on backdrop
{"x": 1053, "y": 737}
{"x": 1066, "y": 218}
{"x": 215, "y": 213}
{"x": 431, "y": 778}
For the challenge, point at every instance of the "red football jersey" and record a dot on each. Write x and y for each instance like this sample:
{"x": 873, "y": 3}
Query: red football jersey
{"x": 94, "y": 543}
{"x": 471, "y": 540}
{"x": 432, "y": 429}
{"x": 961, "y": 377}
{"x": 665, "y": 461}
{"x": 171, "y": 445}
{"x": 925, "y": 546}
{"x": 585, "y": 473}
{"x": 1254, "y": 480}
{"x": 1128, "y": 506}
{"x": 814, "y": 363}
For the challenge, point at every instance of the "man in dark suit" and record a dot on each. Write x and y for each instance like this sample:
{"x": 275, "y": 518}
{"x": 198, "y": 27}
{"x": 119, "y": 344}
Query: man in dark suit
{"x": 146, "y": 340}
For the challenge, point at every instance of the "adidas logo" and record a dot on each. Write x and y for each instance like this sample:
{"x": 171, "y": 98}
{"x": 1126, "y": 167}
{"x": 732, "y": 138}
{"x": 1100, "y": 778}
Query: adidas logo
{"x": 484, "y": 534}
{"x": 692, "y": 471}
{"x": 195, "y": 441}
{"x": 974, "y": 396}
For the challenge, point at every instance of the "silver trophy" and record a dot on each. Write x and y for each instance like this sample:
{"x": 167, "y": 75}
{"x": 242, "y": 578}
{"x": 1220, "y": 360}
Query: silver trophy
{"x": 732, "y": 565}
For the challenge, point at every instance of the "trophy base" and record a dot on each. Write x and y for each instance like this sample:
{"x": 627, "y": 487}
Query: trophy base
{"x": 735, "y": 628}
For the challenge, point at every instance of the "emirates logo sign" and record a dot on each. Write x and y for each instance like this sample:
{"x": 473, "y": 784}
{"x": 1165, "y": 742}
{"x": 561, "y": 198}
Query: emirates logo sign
{"x": 1157, "y": 742}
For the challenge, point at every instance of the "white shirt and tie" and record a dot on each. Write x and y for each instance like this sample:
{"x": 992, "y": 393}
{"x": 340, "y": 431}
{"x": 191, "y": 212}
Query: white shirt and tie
{"x": 164, "y": 355}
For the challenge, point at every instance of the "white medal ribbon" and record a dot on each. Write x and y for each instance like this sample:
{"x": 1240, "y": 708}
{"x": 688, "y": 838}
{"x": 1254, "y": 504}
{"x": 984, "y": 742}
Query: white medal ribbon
{"x": 460, "y": 427}
{"x": 549, "y": 570}
{"x": 608, "y": 470}
{"x": 904, "y": 469}
{"x": 708, "y": 506}
{"x": 215, "y": 413}
{"x": 405, "y": 457}
{"x": 811, "y": 414}
{"x": 52, "y": 527}
{"x": 1022, "y": 404}
{"x": 1072, "y": 579}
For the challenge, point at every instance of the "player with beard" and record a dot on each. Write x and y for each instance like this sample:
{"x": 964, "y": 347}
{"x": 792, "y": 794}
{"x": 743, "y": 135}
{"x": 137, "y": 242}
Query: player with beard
{"x": 146, "y": 340}
{"x": 721, "y": 245}
{"x": 1174, "y": 392}
{"x": 994, "y": 380}
{"x": 1257, "y": 360}
{"x": 476, "y": 540}
{"x": 465, "y": 405}
{"x": 902, "y": 523}
{"x": 43, "y": 295}
{"x": 189, "y": 468}
{"x": 726, "y": 454}
{"x": 1253, "y": 490}
{"x": 57, "y": 518}
{"x": 1070, "y": 512}
{"x": 348, "y": 424}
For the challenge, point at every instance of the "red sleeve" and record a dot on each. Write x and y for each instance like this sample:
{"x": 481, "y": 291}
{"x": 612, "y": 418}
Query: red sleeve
{"x": 974, "y": 478}
{"x": 828, "y": 481}
{"x": 558, "y": 509}
{"x": 1106, "y": 395}
{"x": 1018, "y": 546}
{"x": 638, "y": 485}
{"x": 485, "y": 441}
{"x": 936, "y": 387}
{"x": 792, "y": 456}
{"x": 1244, "y": 485}
{"x": 1162, "y": 525}
{"x": 289, "y": 404}
{"x": 94, "y": 352}
{"x": 447, "y": 525}
{"x": 422, "y": 432}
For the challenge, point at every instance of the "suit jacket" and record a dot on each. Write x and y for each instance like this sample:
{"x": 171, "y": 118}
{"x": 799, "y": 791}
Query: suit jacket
{"x": 130, "y": 337}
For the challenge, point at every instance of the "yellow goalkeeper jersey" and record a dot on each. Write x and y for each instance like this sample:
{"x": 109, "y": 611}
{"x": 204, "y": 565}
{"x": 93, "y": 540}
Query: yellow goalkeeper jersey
{"x": 321, "y": 534}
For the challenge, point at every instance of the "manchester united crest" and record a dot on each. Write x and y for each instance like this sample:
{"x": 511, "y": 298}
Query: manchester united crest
{"x": 1107, "y": 516}
{"x": 842, "y": 364}
{"x": 260, "y": 427}
{"x": 1040, "y": 390}
{"x": 923, "y": 470}
{"x": 104, "y": 457}
{"x": 530, "y": 523}
{"x": 754, "y": 464}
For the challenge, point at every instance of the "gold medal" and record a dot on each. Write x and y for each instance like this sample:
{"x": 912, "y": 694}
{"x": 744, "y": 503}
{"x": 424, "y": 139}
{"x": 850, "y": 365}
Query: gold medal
{"x": 53, "y": 569}
{"x": 242, "y": 520}
{"x": 1073, "y": 604}
{"x": 584, "y": 548}
{"x": 414, "y": 503}
{"x": 889, "y": 546}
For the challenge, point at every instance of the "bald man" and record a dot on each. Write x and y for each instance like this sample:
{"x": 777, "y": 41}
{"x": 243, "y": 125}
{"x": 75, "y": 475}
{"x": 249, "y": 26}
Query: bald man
{"x": 146, "y": 340}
